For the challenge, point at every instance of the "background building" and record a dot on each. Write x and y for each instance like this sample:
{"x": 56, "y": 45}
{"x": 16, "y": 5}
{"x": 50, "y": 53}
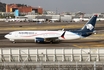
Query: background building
{"x": 23, "y": 9}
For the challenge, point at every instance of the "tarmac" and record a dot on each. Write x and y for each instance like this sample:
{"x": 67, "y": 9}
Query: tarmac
{"x": 94, "y": 41}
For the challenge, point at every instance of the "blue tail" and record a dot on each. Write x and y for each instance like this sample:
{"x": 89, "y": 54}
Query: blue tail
{"x": 90, "y": 25}
{"x": 88, "y": 28}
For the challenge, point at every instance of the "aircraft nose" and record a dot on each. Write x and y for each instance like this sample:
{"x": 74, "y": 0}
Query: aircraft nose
{"x": 6, "y": 36}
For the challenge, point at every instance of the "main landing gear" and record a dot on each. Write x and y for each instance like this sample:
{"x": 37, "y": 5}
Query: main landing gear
{"x": 13, "y": 42}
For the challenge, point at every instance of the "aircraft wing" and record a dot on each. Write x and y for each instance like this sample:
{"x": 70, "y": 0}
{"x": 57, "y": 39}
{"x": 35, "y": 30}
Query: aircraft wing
{"x": 50, "y": 38}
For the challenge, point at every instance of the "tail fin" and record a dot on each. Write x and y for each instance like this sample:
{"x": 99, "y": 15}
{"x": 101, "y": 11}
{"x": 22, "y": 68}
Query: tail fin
{"x": 88, "y": 28}
{"x": 90, "y": 25}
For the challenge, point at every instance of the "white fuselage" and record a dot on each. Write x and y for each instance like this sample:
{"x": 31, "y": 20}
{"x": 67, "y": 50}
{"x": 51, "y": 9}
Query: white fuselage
{"x": 32, "y": 35}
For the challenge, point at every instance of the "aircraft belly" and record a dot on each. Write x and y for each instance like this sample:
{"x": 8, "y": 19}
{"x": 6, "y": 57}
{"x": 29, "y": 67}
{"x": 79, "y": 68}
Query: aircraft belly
{"x": 70, "y": 37}
{"x": 24, "y": 38}
{"x": 73, "y": 37}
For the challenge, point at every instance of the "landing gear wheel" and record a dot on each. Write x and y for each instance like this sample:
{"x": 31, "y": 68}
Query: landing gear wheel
{"x": 51, "y": 42}
{"x": 13, "y": 42}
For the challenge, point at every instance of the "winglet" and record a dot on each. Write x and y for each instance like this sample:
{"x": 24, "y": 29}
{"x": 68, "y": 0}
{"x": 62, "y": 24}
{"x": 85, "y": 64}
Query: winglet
{"x": 63, "y": 35}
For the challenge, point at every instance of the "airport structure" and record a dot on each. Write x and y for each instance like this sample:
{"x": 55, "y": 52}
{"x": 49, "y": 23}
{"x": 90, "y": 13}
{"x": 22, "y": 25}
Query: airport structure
{"x": 23, "y": 9}
{"x": 51, "y": 59}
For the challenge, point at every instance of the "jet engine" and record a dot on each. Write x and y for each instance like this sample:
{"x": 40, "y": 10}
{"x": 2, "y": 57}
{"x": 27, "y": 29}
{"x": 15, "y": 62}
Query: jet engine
{"x": 39, "y": 40}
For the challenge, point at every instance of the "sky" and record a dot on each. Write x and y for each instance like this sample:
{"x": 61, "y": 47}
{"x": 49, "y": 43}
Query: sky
{"x": 86, "y": 6}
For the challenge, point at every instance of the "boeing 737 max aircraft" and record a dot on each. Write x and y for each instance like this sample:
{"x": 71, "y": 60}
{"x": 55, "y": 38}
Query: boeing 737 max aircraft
{"x": 54, "y": 36}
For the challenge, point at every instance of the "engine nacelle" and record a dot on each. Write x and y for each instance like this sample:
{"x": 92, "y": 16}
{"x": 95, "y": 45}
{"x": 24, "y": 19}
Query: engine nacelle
{"x": 39, "y": 40}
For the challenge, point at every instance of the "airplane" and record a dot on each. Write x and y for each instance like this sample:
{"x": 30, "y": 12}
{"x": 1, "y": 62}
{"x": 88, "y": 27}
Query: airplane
{"x": 54, "y": 36}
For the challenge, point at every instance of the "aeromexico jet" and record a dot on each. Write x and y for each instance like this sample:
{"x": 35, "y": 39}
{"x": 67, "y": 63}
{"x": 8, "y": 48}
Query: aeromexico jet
{"x": 54, "y": 36}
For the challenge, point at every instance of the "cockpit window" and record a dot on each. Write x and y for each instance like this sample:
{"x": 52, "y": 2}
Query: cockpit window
{"x": 10, "y": 33}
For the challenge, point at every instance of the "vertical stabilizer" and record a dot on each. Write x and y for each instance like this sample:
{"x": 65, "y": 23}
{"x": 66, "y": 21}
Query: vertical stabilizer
{"x": 88, "y": 28}
{"x": 90, "y": 25}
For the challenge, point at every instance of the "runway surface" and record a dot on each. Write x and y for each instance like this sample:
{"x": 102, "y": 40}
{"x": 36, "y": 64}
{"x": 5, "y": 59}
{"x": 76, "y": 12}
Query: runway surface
{"x": 93, "y": 41}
